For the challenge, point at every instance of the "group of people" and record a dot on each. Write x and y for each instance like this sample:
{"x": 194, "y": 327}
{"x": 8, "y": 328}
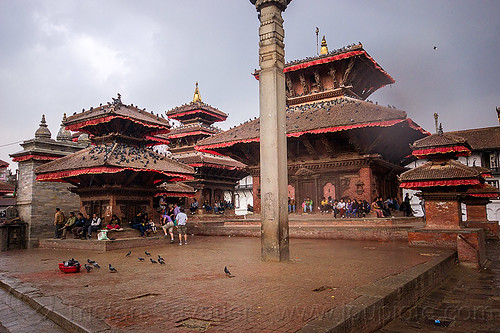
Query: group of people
{"x": 80, "y": 225}
{"x": 352, "y": 208}
{"x": 345, "y": 208}
{"x": 172, "y": 215}
{"x": 219, "y": 206}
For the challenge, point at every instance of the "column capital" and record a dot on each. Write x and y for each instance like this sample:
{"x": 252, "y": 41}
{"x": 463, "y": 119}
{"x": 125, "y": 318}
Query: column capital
{"x": 282, "y": 4}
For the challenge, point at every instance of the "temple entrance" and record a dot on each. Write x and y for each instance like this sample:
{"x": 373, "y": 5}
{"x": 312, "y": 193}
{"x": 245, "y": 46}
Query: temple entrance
{"x": 218, "y": 195}
{"x": 308, "y": 191}
{"x": 206, "y": 195}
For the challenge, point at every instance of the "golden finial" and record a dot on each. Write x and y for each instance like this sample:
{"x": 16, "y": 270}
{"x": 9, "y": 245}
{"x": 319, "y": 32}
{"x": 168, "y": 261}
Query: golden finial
{"x": 324, "y": 47}
{"x": 197, "y": 96}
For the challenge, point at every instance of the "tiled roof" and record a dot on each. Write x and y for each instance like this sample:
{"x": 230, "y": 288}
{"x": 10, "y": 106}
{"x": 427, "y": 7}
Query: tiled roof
{"x": 450, "y": 169}
{"x": 193, "y": 106}
{"x": 439, "y": 140}
{"x": 482, "y": 189}
{"x": 487, "y": 138}
{"x": 116, "y": 155}
{"x": 196, "y": 157}
{"x": 119, "y": 110}
{"x": 6, "y": 188}
{"x": 188, "y": 128}
{"x": 345, "y": 49}
{"x": 341, "y": 112}
{"x": 176, "y": 187}
{"x": 3, "y": 164}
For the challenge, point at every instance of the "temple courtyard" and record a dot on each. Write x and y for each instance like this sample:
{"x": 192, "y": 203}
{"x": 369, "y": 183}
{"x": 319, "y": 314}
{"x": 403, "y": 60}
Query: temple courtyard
{"x": 342, "y": 279}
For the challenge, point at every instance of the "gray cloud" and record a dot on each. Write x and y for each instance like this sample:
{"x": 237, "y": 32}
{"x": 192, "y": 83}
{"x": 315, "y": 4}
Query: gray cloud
{"x": 62, "y": 56}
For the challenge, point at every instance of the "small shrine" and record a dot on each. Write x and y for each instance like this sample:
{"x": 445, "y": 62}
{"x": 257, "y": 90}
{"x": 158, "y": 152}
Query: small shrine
{"x": 215, "y": 174}
{"x": 445, "y": 184}
{"x": 35, "y": 201}
{"x": 119, "y": 173}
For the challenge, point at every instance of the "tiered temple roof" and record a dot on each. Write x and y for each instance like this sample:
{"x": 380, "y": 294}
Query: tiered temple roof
{"x": 330, "y": 116}
{"x": 347, "y": 71}
{"x": 120, "y": 134}
{"x": 442, "y": 170}
{"x": 213, "y": 172}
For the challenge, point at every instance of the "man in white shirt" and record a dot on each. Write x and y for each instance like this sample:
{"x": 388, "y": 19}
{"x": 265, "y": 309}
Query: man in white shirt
{"x": 94, "y": 225}
{"x": 181, "y": 219}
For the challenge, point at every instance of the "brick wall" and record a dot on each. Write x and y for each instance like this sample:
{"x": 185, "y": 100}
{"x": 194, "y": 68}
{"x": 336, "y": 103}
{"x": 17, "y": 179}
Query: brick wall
{"x": 443, "y": 214}
{"x": 476, "y": 212}
{"x": 37, "y": 201}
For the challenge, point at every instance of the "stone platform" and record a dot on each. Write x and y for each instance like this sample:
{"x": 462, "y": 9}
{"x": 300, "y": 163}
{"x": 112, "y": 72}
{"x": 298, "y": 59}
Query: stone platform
{"x": 317, "y": 226}
{"x": 328, "y": 285}
{"x": 104, "y": 245}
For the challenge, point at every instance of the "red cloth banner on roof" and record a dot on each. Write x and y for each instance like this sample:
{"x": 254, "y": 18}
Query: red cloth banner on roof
{"x": 434, "y": 183}
{"x": 159, "y": 140}
{"x": 175, "y": 194}
{"x": 177, "y": 115}
{"x": 458, "y": 150}
{"x": 56, "y": 176}
{"x": 335, "y": 58}
{"x": 387, "y": 123}
{"x": 180, "y": 135}
{"x": 78, "y": 126}
{"x": 211, "y": 165}
{"x": 484, "y": 195}
{"x": 34, "y": 157}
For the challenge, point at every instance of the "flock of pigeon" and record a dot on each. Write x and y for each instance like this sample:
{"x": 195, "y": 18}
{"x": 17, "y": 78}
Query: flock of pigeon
{"x": 125, "y": 154}
{"x": 160, "y": 260}
{"x": 92, "y": 264}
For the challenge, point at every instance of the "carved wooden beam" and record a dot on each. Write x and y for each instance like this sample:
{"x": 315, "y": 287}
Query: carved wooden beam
{"x": 310, "y": 148}
{"x": 289, "y": 85}
{"x": 248, "y": 154}
{"x": 130, "y": 179}
{"x": 327, "y": 144}
{"x": 317, "y": 78}
{"x": 291, "y": 155}
{"x": 332, "y": 72}
{"x": 303, "y": 83}
{"x": 348, "y": 72}
{"x": 375, "y": 142}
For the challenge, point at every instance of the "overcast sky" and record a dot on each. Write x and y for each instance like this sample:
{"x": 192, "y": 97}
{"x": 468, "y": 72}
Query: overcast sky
{"x": 62, "y": 56}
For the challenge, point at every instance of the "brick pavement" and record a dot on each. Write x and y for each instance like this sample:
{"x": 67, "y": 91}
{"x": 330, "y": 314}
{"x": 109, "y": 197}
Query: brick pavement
{"x": 262, "y": 297}
{"x": 18, "y": 317}
{"x": 467, "y": 301}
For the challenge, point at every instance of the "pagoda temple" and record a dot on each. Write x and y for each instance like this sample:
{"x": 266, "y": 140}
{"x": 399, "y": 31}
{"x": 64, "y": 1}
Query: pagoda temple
{"x": 339, "y": 144}
{"x": 445, "y": 184}
{"x": 214, "y": 174}
{"x": 120, "y": 172}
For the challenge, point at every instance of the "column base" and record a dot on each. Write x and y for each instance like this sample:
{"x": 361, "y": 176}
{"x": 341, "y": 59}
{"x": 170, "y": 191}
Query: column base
{"x": 491, "y": 228}
{"x": 468, "y": 242}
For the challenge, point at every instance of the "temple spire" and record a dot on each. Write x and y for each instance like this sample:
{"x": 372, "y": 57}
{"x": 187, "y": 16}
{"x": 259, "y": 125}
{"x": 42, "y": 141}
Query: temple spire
{"x": 324, "y": 47}
{"x": 197, "y": 96}
{"x": 43, "y": 132}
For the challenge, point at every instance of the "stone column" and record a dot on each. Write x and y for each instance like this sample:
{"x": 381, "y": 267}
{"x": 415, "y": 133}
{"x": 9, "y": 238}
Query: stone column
{"x": 273, "y": 158}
